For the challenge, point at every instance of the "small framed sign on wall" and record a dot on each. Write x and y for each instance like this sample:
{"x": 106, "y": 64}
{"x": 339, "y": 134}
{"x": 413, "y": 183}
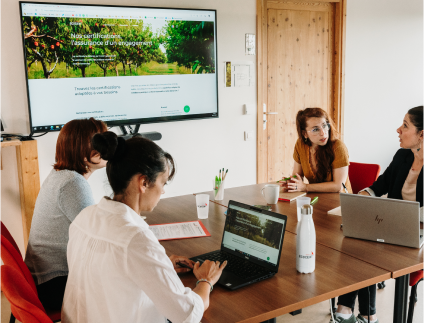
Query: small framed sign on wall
{"x": 250, "y": 44}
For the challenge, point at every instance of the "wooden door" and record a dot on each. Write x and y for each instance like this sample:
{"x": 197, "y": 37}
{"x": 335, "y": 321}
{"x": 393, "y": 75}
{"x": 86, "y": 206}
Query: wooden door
{"x": 303, "y": 65}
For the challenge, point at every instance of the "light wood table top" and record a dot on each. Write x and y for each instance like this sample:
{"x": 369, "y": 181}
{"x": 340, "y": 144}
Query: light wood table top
{"x": 336, "y": 273}
{"x": 396, "y": 259}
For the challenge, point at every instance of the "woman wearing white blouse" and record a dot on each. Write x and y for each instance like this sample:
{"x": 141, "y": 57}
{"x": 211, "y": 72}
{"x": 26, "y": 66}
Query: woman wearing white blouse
{"x": 118, "y": 271}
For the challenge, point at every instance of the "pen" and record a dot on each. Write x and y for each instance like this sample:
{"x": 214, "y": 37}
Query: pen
{"x": 344, "y": 186}
{"x": 314, "y": 200}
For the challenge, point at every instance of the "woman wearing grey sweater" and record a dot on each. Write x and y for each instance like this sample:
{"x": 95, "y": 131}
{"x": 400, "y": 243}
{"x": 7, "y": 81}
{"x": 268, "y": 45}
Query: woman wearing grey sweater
{"x": 63, "y": 195}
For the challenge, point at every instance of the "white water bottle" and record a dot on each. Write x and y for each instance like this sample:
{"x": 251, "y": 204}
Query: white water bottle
{"x": 305, "y": 242}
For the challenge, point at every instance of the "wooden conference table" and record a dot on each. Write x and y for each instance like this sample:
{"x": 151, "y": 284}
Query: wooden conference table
{"x": 336, "y": 273}
{"x": 399, "y": 261}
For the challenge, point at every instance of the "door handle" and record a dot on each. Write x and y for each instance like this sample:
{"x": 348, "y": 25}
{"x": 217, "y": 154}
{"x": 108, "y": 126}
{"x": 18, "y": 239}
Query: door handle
{"x": 270, "y": 112}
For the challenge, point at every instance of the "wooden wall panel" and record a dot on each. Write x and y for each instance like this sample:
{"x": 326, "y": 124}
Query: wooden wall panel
{"x": 261, "y": 45}
{"x": 29, "y": 182}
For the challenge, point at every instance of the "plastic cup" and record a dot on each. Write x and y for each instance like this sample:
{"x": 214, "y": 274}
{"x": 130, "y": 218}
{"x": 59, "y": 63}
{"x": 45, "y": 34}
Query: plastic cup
{"x": 300, "y": 201}
{"x": 218, "y": 190}
{"x": 202, "y": 203}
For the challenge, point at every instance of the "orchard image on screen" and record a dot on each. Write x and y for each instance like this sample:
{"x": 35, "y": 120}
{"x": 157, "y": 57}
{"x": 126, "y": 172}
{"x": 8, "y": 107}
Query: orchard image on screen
{"x": 119, "y": 64}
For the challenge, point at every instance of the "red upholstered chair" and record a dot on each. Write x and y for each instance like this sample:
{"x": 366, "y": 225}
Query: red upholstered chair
{"x": 414, "y": 279}
{"x": 8, "y": 236}
{"x": 12, "y": 258}
{"x": 362, "y": 175}
{"x": 24, "y": 302}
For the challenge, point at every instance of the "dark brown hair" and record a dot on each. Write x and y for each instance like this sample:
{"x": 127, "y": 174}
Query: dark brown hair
{"x": 325, "y": 154}
{"x": 127, "y": 158}
{"x": 416, "y": 117}
{"x": 74, "y": 144}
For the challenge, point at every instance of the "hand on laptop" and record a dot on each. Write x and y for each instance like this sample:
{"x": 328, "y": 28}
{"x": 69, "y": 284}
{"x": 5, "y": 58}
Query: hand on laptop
{"x": 209, "y": 270}
{"x": 365, "y": 193}
{"x": 183, "y": 260}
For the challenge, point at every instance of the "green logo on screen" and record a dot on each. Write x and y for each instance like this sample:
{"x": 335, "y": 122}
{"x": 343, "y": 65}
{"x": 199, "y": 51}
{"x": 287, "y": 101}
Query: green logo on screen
{"x": 186, "y": 109}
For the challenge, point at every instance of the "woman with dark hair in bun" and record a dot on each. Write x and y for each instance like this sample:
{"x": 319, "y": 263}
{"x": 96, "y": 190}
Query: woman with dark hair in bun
{"x": 118, "y": 270}
{"x": 402, "y": 180}
{"x": 64, "y": 193}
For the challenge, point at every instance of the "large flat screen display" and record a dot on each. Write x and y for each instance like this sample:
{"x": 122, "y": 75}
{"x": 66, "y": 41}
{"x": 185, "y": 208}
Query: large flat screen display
{"x": 123, "y": 65}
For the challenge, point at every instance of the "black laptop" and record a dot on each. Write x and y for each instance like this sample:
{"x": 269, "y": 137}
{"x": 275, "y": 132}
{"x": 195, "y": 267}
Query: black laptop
{"x": 251, "y": 243}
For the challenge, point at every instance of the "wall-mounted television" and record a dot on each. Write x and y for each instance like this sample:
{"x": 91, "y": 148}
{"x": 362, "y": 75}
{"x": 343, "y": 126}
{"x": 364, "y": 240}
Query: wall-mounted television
{"x": 123, "y": 65}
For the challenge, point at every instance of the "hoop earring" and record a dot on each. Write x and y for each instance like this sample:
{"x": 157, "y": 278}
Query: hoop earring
{"x": 305, "y": 139}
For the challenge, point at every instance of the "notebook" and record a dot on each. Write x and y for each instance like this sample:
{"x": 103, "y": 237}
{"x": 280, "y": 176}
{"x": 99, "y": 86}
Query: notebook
{"x": 251, "y": 243}
{"x": 288, "y": 197}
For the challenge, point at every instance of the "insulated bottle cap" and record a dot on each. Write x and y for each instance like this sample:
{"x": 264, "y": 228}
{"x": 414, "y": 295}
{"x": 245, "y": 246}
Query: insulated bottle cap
{"x": 306, "y": 209}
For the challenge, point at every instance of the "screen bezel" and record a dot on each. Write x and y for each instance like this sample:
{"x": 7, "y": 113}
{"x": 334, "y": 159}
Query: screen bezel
{"x": 126, "y": 122}
{"x": 269, "y": 266}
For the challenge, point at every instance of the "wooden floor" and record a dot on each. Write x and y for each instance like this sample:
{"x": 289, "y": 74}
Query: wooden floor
{"x": 315, "y": 313}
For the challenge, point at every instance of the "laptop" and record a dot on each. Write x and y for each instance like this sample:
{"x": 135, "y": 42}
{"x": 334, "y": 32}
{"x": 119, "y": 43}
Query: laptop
{"x": 381, "y": 219}
{"x": 251, "y": 243}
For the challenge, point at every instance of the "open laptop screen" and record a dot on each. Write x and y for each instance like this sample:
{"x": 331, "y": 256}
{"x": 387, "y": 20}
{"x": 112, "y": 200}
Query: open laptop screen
{"x": 253, "y": 234}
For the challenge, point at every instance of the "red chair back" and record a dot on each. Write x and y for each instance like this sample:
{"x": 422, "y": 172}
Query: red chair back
{"x": 8, "y": 236}
{"x": 11, "y": 257}
{"x": 415, "y": 277}
{"x": 24, "y": 303}
{"x": 362, "y": 175}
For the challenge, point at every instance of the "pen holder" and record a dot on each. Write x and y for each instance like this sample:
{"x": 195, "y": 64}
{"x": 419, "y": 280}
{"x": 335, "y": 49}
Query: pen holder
{"x": 218, "y": 190}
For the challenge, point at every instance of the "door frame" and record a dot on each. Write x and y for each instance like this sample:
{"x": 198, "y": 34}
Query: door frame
{"x": 262, "y": 91}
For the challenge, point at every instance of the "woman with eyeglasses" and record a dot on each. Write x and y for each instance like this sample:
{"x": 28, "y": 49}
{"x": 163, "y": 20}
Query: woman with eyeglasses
{"x": 318, "y": 155}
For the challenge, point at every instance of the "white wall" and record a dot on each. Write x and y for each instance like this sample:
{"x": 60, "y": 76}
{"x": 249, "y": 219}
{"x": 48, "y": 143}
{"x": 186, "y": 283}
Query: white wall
{"x": 384, "y": 75}
{"x": 384, "y": 78}
{"x": 199, "y": 147}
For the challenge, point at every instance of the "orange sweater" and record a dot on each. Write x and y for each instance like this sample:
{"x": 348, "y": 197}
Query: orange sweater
{"x": 301, "y": 156}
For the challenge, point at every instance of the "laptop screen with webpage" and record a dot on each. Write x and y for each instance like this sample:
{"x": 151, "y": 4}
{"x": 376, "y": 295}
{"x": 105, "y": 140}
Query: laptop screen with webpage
{"x": 253, "y": 234}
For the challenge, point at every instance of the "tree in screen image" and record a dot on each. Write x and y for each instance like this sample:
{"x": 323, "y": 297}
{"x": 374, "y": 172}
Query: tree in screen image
{"x": 191, "y": 44}
{"x": 43, "y": 42}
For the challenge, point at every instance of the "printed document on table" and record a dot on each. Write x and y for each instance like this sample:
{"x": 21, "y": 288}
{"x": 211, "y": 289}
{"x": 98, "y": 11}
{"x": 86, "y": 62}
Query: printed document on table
{"x": 180, "y": 230}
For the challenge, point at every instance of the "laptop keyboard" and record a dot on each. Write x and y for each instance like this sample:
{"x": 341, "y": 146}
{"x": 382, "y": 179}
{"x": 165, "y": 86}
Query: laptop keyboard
{"x": 238, "y": 266}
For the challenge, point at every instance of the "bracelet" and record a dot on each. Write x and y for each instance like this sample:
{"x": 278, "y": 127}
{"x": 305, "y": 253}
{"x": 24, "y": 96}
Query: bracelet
{"x": 206, "y": 281}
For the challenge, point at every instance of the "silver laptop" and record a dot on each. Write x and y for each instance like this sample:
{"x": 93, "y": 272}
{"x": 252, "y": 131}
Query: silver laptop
{"x": 381, "y": 219}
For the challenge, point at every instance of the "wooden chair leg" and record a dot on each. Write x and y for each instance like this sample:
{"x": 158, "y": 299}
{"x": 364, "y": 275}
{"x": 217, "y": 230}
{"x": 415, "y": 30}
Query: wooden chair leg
{"x": 412, "y": 300}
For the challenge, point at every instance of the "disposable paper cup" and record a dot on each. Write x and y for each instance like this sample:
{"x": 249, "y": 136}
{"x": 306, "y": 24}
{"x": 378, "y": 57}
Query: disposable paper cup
{"x": 300, "y": 201}
{"x": 202, "y": 203}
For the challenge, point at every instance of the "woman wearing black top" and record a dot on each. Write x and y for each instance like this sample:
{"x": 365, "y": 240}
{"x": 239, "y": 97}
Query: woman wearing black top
{"x": 403, "y": 180}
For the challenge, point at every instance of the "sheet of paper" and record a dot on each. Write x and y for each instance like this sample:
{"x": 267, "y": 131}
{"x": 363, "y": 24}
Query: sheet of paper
{"x": 180, "y": 230}
{"x": 336, "y": 211}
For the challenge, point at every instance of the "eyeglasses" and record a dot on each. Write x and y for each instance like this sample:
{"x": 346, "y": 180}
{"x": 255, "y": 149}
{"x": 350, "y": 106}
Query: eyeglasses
{"x": 317, "y": 130}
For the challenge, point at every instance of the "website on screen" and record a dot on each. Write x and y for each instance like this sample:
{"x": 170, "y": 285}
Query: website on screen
{"x": 253, "y": 234}
{"x": 118, "y": 63}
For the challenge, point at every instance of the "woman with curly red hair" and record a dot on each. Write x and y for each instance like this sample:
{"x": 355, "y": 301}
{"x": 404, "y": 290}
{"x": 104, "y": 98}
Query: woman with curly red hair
{"x": 318, "y": 155}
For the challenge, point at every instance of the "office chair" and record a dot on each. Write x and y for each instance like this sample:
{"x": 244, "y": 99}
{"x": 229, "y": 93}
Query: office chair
{"x": 12, "y": 258}
{"x": 361, "y": 176}
{"x": 8, "y": 236}
{"x": 24, "y": 303}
